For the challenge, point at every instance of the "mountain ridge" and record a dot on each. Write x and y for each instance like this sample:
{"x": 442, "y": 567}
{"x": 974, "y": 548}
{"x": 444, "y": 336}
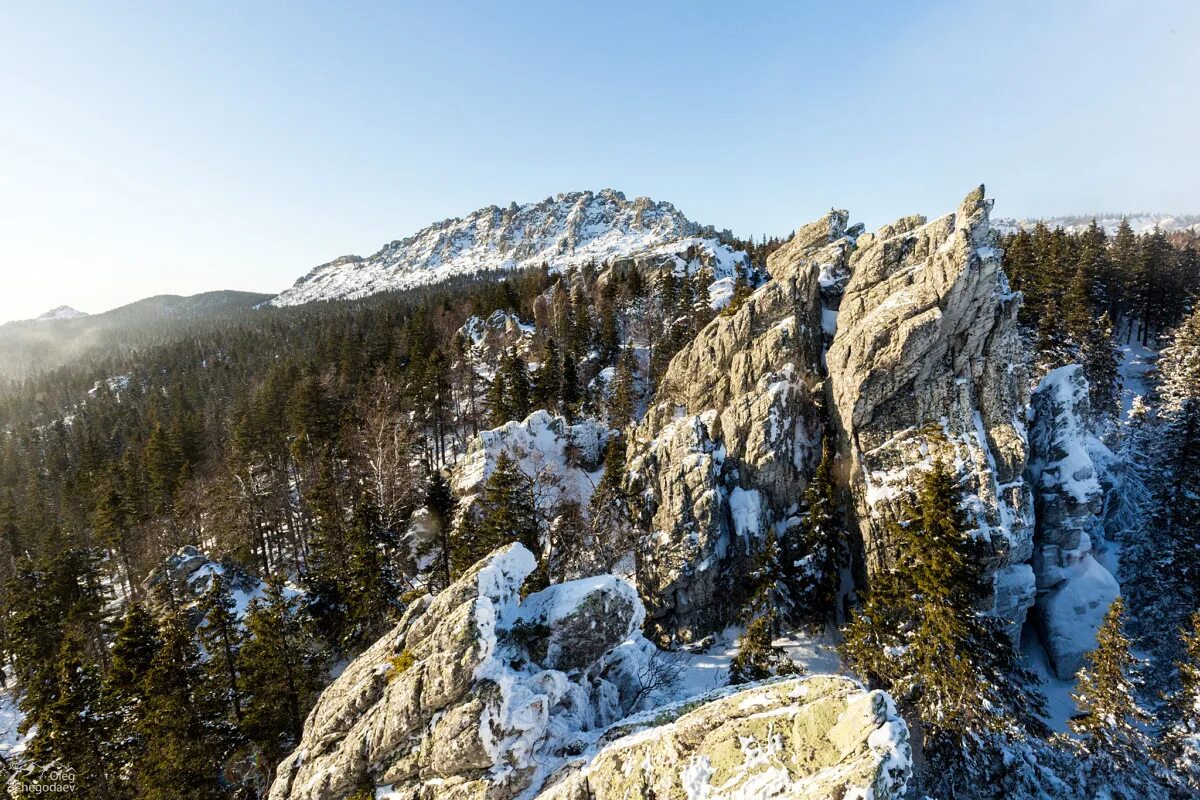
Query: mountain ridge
{"x": 566, "y": 230}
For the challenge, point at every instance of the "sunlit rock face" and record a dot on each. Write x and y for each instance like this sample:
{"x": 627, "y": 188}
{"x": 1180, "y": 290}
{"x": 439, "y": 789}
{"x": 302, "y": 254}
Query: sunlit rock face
{"x": 927, "y": 364}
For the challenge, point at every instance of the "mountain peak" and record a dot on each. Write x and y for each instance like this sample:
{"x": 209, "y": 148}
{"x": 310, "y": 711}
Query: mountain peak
{"x": 62, "y": 312}
{"x": 566, "y": 230}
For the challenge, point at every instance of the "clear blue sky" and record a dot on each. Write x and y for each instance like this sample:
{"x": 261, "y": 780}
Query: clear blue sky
{"x": 180, "y": 147}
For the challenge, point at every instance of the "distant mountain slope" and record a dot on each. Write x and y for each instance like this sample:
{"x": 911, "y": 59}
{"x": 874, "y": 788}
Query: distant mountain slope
{"x": 562, "y": 231}
{"x": 1140, "y": 222}
{"x": 37, "y": 345}
{"x": 62, "y": 312}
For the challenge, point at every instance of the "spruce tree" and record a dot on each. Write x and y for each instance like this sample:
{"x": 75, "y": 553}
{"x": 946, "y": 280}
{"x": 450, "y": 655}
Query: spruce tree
{"x": 568, "y": 391}
{"x": 758, "y": 657}
{"x": 280, "y": 674}
{"x": 622, "y": 397}
{"x": 1109, "y": 724}
{"x": 1181, "y": 738}
{"x": 221, "y": 636}
{"x": 185, "y": 748}
{"x": 548, "y": 378}
{"x": 517, "y": 384}
{"x": 499, "y": 410}
{"x": 919, "y": 634}
{"x": 439, "y": 501}
{"x": 508, "y": 510}
{"x": 1101, "y": 367}
{"x": 72, "y": 730}
{"x": 819, "y": 553}
{"x": 124, "y": 691}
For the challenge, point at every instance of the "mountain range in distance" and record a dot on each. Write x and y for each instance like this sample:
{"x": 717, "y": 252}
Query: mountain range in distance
{"x": 564, "y": 231}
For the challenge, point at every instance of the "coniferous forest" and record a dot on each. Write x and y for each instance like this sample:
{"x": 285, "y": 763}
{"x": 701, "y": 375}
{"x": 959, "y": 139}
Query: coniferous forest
{"x": 305, "y": 456}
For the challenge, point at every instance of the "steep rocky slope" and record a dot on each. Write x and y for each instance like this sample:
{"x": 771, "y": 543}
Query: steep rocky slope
{"x": 927, "y": 364}
{"x": 732, "y": 438}
{"x": 905, "y": 343}
{"x": 564, "y": 231}
{"x": 478, "y": 693}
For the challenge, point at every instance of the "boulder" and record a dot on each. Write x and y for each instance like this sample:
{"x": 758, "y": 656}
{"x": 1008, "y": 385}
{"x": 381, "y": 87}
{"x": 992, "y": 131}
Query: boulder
{"x": 813, "y": 738}
{"x": 460, "y": 695}
{"x": 927, "y": 363}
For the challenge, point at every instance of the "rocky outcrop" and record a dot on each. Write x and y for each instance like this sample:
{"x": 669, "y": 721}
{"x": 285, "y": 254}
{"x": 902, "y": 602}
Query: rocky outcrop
{"x": 812, "y": 738}
{"x": 927, "y": 364}
{"x": 475, "y": 690}
{"x": 732, "y": 438}
{"x": 563, "y": 459}
{"x": 479, "y": 694}
{"x": 487, "y": 340}
{"x": 1074, "y": 589}
{"x": 184, "y": 576}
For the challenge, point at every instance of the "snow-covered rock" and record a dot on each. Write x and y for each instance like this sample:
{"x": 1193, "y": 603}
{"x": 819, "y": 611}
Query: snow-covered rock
{"x": 486, "y": 340}
{"x": 802, "y": 739}
{"x": 457, "y": 698}
{"x": 1075, "y": 589}
{"x": 927, "y": 363}
{"x": 564, "y": 460}
{"x": 565, "y": 231}
{"x": 187, "y": 574}
{"x": 733, "y": 436}
{"x": 461, "y": 701}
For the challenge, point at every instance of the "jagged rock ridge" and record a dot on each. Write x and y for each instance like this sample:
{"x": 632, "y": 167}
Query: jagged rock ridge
{"x": 734, "y": 434}
{"x": 564, "y": 231}
{"x": 928, "y": 364}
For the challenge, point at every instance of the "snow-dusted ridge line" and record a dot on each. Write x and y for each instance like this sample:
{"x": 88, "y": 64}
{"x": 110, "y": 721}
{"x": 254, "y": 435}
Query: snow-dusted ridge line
{"x": 568, "y": 230}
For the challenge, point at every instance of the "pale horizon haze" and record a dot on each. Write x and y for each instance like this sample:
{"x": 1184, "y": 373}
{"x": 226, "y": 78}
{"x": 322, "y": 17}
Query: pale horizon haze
{"x": 181, "y": 148}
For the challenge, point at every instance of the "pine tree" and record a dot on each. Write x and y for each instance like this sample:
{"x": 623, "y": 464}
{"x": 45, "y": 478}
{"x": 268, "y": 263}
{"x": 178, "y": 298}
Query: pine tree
{"x": 1109, "y": 723}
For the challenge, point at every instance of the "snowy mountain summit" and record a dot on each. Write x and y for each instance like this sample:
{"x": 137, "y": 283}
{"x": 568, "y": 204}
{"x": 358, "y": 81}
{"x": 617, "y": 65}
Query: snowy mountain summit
{"x": 564, "y": 231}
{"x": 62, "y": 312}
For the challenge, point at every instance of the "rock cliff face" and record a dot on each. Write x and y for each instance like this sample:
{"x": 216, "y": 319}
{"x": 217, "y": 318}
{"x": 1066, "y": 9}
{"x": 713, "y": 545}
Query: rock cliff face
{"x": 927, "y": 364}
{"x": 924, "y": 361}
{"x": 479, "y": 694}
{"x": 1074, "y": 589}
{"x": 732, "y": 438}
